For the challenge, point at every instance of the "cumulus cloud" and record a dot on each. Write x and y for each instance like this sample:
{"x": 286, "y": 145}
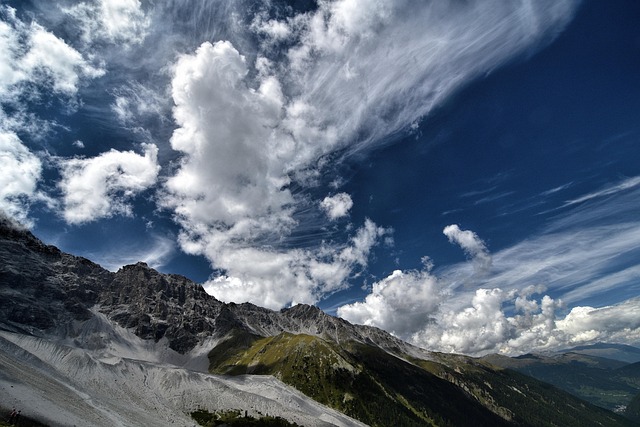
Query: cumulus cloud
{"x": 231, "y": 191}
{"x": 472, "y": 245}
{"x": 484, "y": 326}
{"x": 32, "y": 55}
{"x": 401, "y": 303}
{"x": 415, "y": 307}
{"x": 510, "y": 311}
{"x": 103, "y": 186}
{"x": 337, "y": 206}
{"x": 235, "y": 163}
{"x": 21, "y": 171}
{"x": 275, "y": 279}
{"x": 619, "y": 322}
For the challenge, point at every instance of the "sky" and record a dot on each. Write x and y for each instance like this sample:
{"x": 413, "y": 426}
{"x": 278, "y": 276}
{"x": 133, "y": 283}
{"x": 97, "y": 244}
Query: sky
{"x": 462, "y": 174}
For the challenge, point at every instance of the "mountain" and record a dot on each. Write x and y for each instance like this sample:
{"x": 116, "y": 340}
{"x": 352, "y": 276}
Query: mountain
{"x": 608, "y": 383}
{"x": 621, "y": 352}
{"x": 82, "y": 345}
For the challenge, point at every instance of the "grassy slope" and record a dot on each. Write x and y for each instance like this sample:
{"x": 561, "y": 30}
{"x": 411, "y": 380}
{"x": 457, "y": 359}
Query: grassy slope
{"x": 525, "y": 400}
{"x": 592, "y": 379}
{"x": 361, "y": 381}
{"x": 381, "y": 389}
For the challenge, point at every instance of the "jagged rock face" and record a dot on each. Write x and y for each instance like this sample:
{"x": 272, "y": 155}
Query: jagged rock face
{"x": 156, "y": 305}
{"x": 44, "y": 289}
{"x": 41, "y": 287}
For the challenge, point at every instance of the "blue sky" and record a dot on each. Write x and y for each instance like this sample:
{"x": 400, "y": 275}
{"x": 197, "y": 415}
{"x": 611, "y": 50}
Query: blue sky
{"x": 463, "y": 175}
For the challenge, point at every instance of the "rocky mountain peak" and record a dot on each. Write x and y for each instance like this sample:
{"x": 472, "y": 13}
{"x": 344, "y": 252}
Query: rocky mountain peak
{"x": 44, "y": 289}
{"x": 140, "y": 265}
{"x": 303, "y": 312}
{"x": 17, "y": 233}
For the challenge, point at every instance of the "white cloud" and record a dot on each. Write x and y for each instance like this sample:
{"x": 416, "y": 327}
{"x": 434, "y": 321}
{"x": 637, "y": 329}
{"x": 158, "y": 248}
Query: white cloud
{"x": 370, "y": 68}
{"x": 10, "y": 48}
{"x": 477, "y": 328}
{"x": 36, "y": 63}
{"x": 31, "y": 54}
{"x": 275, "y": 279}
{"x": 411, "y": 306}
{"x": 135, "y": 101}
{"x": 103, "y": 186}
{"x": 472, "y": 245}
{"x": 117, "y": 21}
{"x": 273, "y": 29}
{"x": 505, "y": 313}
{"x": 337, "y": 206}
{"x": 401, "y": 303}
{"x": 356, "y": 72}
{"x": 626, "y": 184}
{"x": 21, "y": 171}
{"x": 580, "y": 264}
{"x": 235, "y": 163}
{"x": 230, "y": 193}
{"x": 59, "y": 62}
{"x": 617, "y": 323}
{"x": 153, "y": 249}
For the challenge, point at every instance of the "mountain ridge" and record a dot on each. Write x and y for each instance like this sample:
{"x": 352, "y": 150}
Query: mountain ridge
{"x": 164, "y": 306}
{"x": 608, "y": 383}
{"x": 95, "y": 324}
{"x": 622, "y": 352}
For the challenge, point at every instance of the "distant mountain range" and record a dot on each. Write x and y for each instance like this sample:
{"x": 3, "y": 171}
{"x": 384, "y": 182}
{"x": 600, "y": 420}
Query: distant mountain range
{"x": 80, "y": 345}
{"x": 620, "y": 352}
{"x": 611, "y": 382}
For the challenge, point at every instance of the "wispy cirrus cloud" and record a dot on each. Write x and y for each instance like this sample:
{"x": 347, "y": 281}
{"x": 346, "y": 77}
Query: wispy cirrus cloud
{"x": 626, "y": 184}
{"x": 116, "y": 21}
{"x": 153, "y": 249}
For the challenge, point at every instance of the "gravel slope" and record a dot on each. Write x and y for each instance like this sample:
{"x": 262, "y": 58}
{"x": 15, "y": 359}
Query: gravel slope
{"x": 132, "y": 383}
